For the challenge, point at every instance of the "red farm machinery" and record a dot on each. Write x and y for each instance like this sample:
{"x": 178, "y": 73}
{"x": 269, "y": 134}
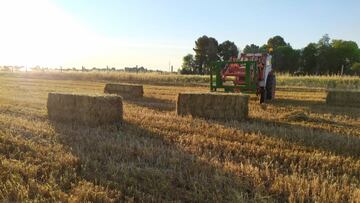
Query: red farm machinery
{"x": 250, "y": 73}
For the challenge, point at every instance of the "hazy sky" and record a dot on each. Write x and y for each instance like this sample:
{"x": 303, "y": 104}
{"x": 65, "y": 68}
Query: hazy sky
{"x": 152, "y": 33}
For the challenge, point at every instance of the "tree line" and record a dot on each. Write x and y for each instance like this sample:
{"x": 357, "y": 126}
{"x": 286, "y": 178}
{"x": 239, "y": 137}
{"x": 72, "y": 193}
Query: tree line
{"x": 326, "y": 56}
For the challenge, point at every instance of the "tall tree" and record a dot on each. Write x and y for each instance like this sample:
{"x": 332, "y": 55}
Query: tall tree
{"x": 206, "y": 50}
{"x": 334, "y": 56}
{"x": 252, "y": 48}
{"x": 227, "y": 50}
{"x": 264, "y": 48}
{"x": 327, "y": 60}
{"x": 355, "y": 68}
{"x": 212, "y": 50}
{"x": 308, "y": 59}
{"x": 286, "y": 59}
{"x": 323, "y": 57}
{"x": 276, "y": 42}
{"x": 188, "y": 65}
{"x": 347, "y": 54}
{"x": 324, "y": 41}
{"x": 200, "y": 52}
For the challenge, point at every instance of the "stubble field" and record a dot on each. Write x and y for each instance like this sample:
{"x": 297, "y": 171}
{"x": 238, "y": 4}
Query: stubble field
{"x": 294, "y": 149}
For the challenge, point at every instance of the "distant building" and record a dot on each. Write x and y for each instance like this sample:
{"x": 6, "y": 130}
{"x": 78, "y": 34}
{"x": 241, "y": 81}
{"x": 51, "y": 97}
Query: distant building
{"x": 135, "y": 69}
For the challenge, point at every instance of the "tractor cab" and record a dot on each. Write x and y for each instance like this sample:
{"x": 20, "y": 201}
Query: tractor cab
{"x": 250, "y": 73}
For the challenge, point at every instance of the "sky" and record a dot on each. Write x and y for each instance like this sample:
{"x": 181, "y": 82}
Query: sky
{"x": 158, "y": 33}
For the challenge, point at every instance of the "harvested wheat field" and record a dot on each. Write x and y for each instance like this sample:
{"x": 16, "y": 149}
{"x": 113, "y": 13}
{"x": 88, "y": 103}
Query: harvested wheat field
{"x": 293, "y": 149}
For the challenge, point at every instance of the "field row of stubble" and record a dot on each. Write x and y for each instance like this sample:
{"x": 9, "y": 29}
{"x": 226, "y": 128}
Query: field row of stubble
{"x": 339, "y": 82}
{"x": 295, "y": 148}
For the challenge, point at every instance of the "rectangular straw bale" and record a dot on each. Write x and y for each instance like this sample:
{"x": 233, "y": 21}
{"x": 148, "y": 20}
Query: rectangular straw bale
{"x": 125, "y": 90}
{"x": 217, "y": 106}
{"x": 91, "y": 110}
{"x": 343, "y": 98}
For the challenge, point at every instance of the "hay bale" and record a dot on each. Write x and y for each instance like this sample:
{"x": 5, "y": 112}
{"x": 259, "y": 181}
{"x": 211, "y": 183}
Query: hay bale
{"x": 343, "y": 98}
{"x": 218, "y": 106}
{"x": 89, "y": 110}
{"x": 125, "y": 90}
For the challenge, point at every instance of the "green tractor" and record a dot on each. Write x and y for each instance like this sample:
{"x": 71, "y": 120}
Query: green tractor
{"x": 250, "y": 73}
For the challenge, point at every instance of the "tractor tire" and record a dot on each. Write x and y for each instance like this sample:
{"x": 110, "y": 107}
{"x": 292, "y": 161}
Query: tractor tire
{"x": 270, "y": 87}
{"x": 262, "y": 95}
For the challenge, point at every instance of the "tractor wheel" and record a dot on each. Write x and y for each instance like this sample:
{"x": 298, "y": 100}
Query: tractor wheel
{"x": 270, "y": 87}
{"x": 262, "y": 95}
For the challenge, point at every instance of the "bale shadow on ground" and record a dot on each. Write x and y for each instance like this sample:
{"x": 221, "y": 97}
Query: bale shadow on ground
{"x": 318, "y": 107}
{"x": 144, "y": 165}
{"x": 304, "y": 136}
{"x": 153, "y": 103}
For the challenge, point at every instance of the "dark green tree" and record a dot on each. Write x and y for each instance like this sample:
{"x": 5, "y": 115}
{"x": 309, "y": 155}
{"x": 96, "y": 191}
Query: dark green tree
{"x": 286, "y": 59}
{"x": 276, "y": 42}
{"x": 212, "y": 50}
{"x": 327, "y": 60}
{"x": 264, "y": 48}
{"x": 228, "y": 49}
{"x": 188, "y": 65}
{"x": 323, "y": 57}
{"x": 336, "y": 57}
{"x": 326, "y": 56}
{"x": 252, "y": 48}
{"x": 324, "y": 41}
{"x": 200, "y": 52}
{"x": 206, "y": 51}
{"x": 346, "y": 54}
{"x": 309, "y": 58}
{"x": 355, "y": 68}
